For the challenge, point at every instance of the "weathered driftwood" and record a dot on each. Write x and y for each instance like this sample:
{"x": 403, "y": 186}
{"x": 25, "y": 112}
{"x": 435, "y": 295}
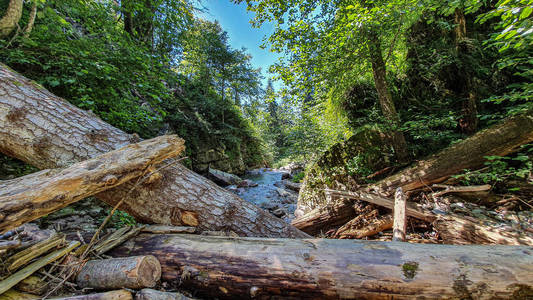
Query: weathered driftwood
{"x": 410, "y": 209}
{"x": 135, "y": 272}
{"x": 48, "y": 132}
{"x": 33, "y": 285}
{"x": 340, "y": 212}
{"x": 115, "y": 239}
{"x": 364, "y": 225}
{"x": 16, "y": 295}
{"x": 25, "y": 256}
{"x": 30, "y": 197}
{"x": 400, "y": 220}
{"x": 324, "y": 218}
{"x": 149, "y": 294}
{"x": 331, "y": 269}
{"x": 12, "y": 280}
{"x": 459, "y": 189}
{"x": 112, "y": 295}
{"x": 500, "y": 139}
{"x": 4, "y": 245}
{"x": 454, "y": 229}
{"x": 168, "y": 229}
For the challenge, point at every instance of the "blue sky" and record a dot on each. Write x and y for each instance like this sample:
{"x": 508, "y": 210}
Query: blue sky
{"x": 235, "y": 19}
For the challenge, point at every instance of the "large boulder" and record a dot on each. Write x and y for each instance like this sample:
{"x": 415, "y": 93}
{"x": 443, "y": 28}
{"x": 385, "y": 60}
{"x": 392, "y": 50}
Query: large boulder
{"x": 344, "y": 166}
{"x": 224, "y": 179}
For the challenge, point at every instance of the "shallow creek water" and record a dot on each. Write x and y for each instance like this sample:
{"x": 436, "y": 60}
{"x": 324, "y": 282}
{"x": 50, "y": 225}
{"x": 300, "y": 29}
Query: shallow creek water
{"x": 269, "y": 194}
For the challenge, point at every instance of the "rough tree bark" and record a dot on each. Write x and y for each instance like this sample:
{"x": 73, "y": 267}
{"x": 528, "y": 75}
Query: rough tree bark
{"x": 384, "y": 95}
{"x": 48, "y": 132}
{"x": 500, "y": 139}
{"x": 331, "y": 269}
{"x": 457, "y": 230}
{"x": 10, "y": 20}
{"x": 30, "y": 197}
{"x": 135, "y": 272}
{"x": 322, "y": 219}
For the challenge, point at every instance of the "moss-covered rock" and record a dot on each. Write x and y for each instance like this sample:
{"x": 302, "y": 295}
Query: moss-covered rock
{"x": 344, "y": 165}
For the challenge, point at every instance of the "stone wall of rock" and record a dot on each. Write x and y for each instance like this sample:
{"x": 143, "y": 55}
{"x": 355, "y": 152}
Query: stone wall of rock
{"x": 344, "y": 166}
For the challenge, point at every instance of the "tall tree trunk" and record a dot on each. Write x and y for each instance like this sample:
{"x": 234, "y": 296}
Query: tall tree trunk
{"x": 31, "y": 21}
{"x": 10, "y": 20}
{"x": 385, "y": 98}
{"x": 469, "y": 121}
{"x": 227, "y": 268}
{"x": 48, "y": 132}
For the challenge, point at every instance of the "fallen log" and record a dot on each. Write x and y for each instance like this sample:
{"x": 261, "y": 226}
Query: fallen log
{"x": 454, "y": 229}
{"x": 46, "y": 131}
{"x": 338, "y": 213}
{"x": 331, "y": 269}
{"x": 32, "y": 196}
{"x": 129, "y": 272}
{"x": 25, "y": 256}
{"x": 324, "y": 218}
{"x": 112, "y": 295}
{"x": 365, "y": 225}
{"x": 168, "y": 229}
{"x": 500, "y": 139}
{"x": 149, "y": 294}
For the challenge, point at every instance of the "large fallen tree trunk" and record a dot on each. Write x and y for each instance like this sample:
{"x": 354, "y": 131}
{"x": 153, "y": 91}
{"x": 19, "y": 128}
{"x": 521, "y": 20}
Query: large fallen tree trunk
{"x": 331, "y": 269}
{"x": 500, "y": 139}
{"x": 454, "y": 229}
{"x": 48, "y": 132}
{"x": 30, "y": 197}
{"x": 322, "y": 219}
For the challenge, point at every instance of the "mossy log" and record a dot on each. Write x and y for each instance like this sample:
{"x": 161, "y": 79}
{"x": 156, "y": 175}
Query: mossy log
{"x": 260, "y": 268}
{"x": 30, "y": 197}
{"x": 46, "y": 131}
{"x": 500, "y": 139}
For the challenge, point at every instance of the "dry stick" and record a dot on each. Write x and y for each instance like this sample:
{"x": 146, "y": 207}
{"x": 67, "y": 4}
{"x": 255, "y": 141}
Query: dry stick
{"x": 93, "y": 239}
{"x": 32, "y": 268}
{"x": 4, "y": 245}
{"x": 399, "y": 227}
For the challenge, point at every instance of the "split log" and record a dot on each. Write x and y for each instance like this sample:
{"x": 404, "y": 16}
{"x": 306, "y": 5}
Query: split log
{"x": 324, "y": 218}
{"x": 227, "y": 268}
{"x": 116, "y": 238}
{"x": 32, "y": 196}
{"x": 112, "y": 295}
{"x": 25, "y": 256}
{"x": 46, "y": 131}
{"x": 149, "y": 294}
{"x": 400, "y": 221}
{"x": 130, "y": 272}
{"x": 33, "y": 267}
{"x": 454, "y": 229}
{"x": 501, "y": 139}
{"x": 460, "y": 189}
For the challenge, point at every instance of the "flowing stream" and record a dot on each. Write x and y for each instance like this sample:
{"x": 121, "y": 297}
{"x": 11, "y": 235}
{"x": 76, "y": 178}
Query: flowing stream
{"x": 269, "y": 193}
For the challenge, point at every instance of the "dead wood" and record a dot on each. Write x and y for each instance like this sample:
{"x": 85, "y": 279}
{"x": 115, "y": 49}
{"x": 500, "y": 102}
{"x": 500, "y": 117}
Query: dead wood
{"x": 227, "y": 268}
{"x": 29, "y": 197}
{"x": 400, "y": 220}
{"x": 454, "y": 229}
{"x": 129, "y": 272}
